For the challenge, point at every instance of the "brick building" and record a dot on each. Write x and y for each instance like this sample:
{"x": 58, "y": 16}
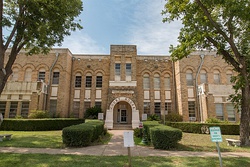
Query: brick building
{"x": 125, "y": 85}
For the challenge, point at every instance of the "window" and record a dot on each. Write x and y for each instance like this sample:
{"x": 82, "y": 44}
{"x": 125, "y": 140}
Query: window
{"x": 128, "y": 69}
{"x": 98, "y": 81}
{"x": 146, "y": 81}
{"x": 189, "y": 78}
{"x": 158, "y": 109}
{"x": 88, "y": 81}
{"x": 55, "y": 78}
{"x": 41, "y": 75}
{"x": 25, "y": 109}
{"x": 28, "y": 73}
{"x": 203, "y": 76}
{"x": 78, "y": 80}
{"x": 13, "y": 109}
{"x": 98, "y": 104}
{"x": 219, "y": 111}
{"x": 2, "y": 107}
{"x": 167, "y": 84}
{"x": 53, "y": 106}
{"x": 230, "y": 112}
{"x": 76, "y": 109}
{"x": 229, "y": 76}
{"x": 146, "y": 107}
{"x": 157, "y": 81}
{"x": 168, "y": 108}
{"x": 117, "y": 69}
{"x": 14, "y": 74}
{"x": 191, "y": 109}
{"x": 216, "y": 77}
{"x": 86, "y": 105}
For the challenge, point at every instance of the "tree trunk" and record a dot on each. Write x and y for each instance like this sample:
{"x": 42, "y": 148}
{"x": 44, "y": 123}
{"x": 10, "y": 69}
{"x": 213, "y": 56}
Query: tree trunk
{"x": 245, "y": 115}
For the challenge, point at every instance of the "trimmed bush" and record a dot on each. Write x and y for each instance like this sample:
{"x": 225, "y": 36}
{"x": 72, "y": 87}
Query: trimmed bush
{"x": 38, "y": 114}
{"x": 82, "y": 135}
{"x": 165, "y": 137}
{"x": 146, "y": 127}
{"x": 226, "y": 129}
{"x": 174, "y": 117}
{"x": 38, "y": 124}
{"x": 92, "y": 113}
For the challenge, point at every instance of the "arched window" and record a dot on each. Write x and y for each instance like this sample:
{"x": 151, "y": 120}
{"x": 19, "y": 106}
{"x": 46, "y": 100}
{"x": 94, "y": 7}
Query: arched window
{"x": 14, "y": 74}
{"x": 229, "y": 76}
{"x": 41, "y": 74}
{"x": 78, "y": 80}
{"x": 203, "y": 76}
{"x": 28, "y": 73}
{"x": 157, "y": 81}
{"x": 88, "y": 82}
{"x": 56, "y": 75}
{"x": 216, "y": 77}
{"x": 146, "y": 81}
{"x": 189, "y": 78}
{"x": 99, "y": 80}
{"x": 167, "y": 84}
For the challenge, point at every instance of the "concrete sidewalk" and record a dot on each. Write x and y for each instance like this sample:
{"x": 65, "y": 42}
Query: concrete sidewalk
{"x": 115, "y": 147}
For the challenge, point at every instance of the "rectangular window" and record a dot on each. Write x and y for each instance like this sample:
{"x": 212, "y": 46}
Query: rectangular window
{"x": 87, "y": 105}
{"x": 146, "y": 82}
{"x": 146, "y": 107}
{"x": 203, "y": 77}
{"x": 25, "y": 109}
{"x": 98, "y": 104}
{"x": 158, "y": 109}
{"x": 76, "y": 109}
{"x": 13, "y": 109}
{"x": 167, "y": 84}
{"x": 41, "y": 76}
{"x": 2, "y": 107}
{"x": 98, "y": 81}
{"x": 230, "y": 112}
{"x": 219, "y": 111}
{"x": 55, "y": 78}
{"x": 216, "y": 78}
{"x": 88, "y": 81}
{"x": 157, "y": 82}
{"x": 191, "y": 109}
{"x": 78, "y": 81}
{"x": 229, "y": 76}
{"x": 128, "y": 69}
{"x": 53, "y": 106}
{"x": 189, "y": 79}
{"x": 117, "y": 69}
{"x": 168, "y": 109}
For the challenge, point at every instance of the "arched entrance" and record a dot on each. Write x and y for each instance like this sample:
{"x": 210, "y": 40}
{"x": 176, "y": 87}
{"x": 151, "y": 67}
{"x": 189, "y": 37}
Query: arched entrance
{"x": 121, "y": 115}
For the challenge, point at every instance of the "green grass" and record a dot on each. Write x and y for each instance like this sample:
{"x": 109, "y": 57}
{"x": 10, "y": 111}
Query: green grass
{"x": 44, "y": 160}
{"x": 202, "y": 142}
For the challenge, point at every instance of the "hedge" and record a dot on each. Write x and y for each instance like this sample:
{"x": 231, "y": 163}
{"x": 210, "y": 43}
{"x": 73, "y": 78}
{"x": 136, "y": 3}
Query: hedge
{"x": 165, "y": 137}
{"x": 146, "y": 128}
{"x": 226, "y": 129}
{"x": 38, "y": 124}
{"x": 82, "y": 135}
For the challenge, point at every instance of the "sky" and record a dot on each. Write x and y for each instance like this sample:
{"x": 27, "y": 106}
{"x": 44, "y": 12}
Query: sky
{"x": 123, "y": 22}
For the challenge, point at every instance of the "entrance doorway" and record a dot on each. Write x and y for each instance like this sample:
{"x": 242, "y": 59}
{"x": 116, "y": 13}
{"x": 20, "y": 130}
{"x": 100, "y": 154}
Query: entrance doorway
{"x": 123, "y": 116}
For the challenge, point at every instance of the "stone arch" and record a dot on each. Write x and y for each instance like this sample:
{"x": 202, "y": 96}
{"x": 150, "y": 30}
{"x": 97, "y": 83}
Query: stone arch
{"x": 109, "y": 113}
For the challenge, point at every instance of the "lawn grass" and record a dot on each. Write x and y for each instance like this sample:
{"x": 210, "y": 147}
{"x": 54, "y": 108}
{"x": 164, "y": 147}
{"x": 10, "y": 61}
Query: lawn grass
{"x": 45, "y": 160}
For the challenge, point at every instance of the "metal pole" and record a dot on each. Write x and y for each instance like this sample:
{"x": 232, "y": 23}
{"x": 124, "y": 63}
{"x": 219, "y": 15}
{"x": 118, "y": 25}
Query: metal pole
{"x": 218, "y": 148}
{"x": 129, "y": 157}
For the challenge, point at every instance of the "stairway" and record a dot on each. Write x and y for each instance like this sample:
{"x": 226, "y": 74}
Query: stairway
{"x": 122, "y": 127}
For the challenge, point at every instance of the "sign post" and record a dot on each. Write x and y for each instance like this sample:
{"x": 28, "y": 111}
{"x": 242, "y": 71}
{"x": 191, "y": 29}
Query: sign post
{"x": 215, "y": 135}
{"x": 128, "y": 142}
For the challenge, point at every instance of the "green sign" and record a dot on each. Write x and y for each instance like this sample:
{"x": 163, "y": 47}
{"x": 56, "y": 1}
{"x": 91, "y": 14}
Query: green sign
{"x": 215, "y": 134}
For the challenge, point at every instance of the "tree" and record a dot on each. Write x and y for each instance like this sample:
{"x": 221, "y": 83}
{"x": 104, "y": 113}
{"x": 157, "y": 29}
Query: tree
{"x": 34, "y": 25}
{"x": 222, "y": 25}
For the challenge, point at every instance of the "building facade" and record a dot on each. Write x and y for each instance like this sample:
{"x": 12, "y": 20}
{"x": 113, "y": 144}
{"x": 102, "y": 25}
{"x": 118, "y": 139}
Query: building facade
{"x": 127, "y": 86}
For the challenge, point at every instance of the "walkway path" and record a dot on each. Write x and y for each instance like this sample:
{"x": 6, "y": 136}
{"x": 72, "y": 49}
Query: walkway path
{"x": 115, "y": 147}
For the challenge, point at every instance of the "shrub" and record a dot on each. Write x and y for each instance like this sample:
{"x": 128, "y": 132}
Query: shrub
{"x": 153, "y": 117}
{"x": 138, "y": 132}
{"x": 38, "y": 114}
{"x": 92, "y": 113}
{"x": 165, "y": 137}
{"x": 174, "y": 117}
{"x": 213, "y": 120}
{"x": 83, "y": 134}
{"x": 146, "y": 128}
{"x": 38, "y": 124}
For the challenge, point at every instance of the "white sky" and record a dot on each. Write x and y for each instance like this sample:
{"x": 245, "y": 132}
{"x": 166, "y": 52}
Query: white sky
{"x": 118, "y": 22}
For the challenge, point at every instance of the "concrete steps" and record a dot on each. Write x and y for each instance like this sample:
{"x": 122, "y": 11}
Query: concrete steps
{"x": 122, "y": 127}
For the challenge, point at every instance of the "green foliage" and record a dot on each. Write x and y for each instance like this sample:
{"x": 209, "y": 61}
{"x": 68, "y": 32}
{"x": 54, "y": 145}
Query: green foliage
{"x": 138, "y": 132}
{"x": 146, "y": 127}
{"x": 38, "y": 124}
{"x": 165, "y": 137}
{"x": 38, "y": 114}
{"x": 213, "y": 120}
{"x": 82, "y": 135}
{"x": 92, "y": 113}
{"x": 18, "y": 117}
{"x": 174, "y": 117}
{"x": 153, "y": 117}
{"x": 226, "y": 129}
